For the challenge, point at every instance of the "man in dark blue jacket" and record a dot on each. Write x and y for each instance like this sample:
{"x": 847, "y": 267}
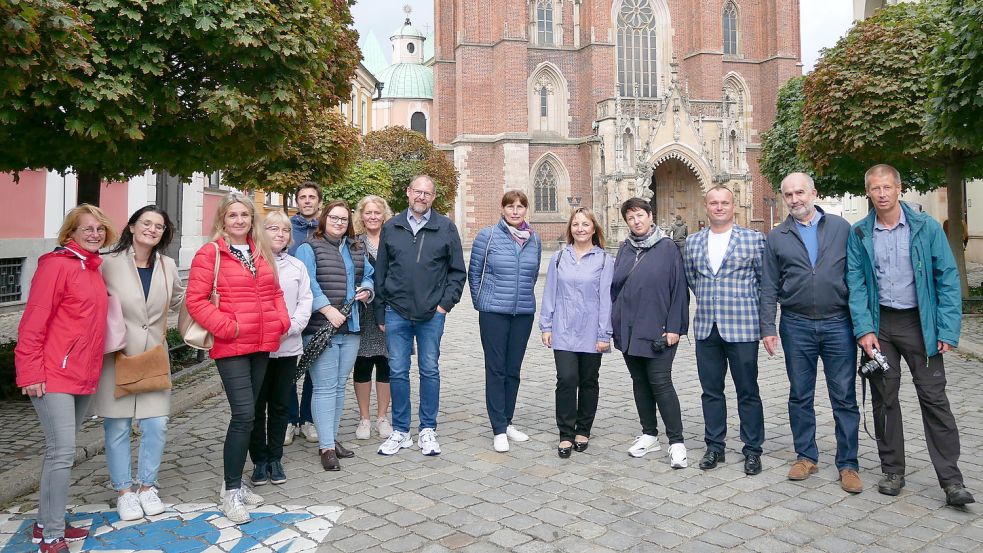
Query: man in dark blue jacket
{"x": 805, "y": 271}
{"x": 419, "y": 278}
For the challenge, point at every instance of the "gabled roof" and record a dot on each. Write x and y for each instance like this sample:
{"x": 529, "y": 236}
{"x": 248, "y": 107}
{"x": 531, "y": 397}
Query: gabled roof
{"x": 373, "y": 58}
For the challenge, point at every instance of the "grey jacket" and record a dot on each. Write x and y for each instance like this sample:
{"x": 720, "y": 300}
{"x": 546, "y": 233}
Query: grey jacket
{"x": 789, "y": 278}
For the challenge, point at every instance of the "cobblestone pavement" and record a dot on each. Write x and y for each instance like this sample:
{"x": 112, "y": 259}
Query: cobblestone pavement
{"x": 471, "y": 498}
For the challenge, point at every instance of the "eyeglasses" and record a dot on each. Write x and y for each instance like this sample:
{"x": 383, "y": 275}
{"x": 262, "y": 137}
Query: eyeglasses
{"x": 93, "y": 230}
{"x": 335, "y": 220}
{"x": 277, "y": 229}
{"x": 422, "y": 193}
{"x": 148, "y": 224}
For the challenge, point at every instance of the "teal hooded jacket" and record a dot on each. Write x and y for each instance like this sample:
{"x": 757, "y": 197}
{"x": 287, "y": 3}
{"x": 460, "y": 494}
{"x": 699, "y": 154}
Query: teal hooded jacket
{"x": 936, "y": 280}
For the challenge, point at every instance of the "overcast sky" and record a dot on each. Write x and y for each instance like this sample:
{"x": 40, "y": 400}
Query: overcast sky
{"x": 823, "y": 21}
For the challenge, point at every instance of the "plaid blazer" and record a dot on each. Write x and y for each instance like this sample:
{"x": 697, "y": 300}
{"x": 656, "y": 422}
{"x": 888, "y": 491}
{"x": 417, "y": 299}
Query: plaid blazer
{"x": 730, "y": 297}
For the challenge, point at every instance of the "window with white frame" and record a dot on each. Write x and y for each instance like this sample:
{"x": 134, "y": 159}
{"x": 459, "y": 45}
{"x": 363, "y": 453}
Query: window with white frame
{"x": 730, "y": 29}
{"x": 637, "y": 62}
{"x": 544, "y": 189}
{"x": 544, "y": 22}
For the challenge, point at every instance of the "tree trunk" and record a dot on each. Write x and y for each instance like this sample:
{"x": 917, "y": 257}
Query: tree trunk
{"x": 954, "y": 186}
{"x": 89, "y": 183}
{"x": 283, "y": 199}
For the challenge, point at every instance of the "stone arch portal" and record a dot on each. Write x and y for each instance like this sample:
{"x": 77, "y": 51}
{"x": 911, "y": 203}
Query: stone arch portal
{"x": 677, "y": 189}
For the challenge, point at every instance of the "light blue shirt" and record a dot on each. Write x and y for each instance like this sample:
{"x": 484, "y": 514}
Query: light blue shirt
{"x": 416, "y": 225}
{"x": 892, "y": 265}
{"x": 809, "y": 232}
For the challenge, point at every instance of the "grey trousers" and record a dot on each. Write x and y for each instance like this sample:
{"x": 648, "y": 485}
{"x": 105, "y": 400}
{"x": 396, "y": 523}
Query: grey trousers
{"x": 61, "y": 417}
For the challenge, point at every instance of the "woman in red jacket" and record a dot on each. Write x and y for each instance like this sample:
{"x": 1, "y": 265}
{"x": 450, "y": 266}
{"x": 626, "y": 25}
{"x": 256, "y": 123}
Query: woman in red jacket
{"x": 59, "y": 357}
{"x": 247, "y": 325}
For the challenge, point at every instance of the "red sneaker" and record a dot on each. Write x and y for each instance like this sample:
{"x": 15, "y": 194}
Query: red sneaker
{"x": 71, "y": 533}
{"x": 57, "y": 546}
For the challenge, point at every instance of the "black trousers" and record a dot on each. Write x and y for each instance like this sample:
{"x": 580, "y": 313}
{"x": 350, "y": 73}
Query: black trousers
{"x": 900, "y": 336}
{"x": 504, "y": 339}
{"x": 576, "y": 392}
{"x": 242, "y": 377}
{"x": 651, "y": 382}
{"x": 270, "y": 424}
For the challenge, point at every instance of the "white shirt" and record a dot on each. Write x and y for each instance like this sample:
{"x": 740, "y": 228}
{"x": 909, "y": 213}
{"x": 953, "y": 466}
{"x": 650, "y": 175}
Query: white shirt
{"x": 717, "y": 247}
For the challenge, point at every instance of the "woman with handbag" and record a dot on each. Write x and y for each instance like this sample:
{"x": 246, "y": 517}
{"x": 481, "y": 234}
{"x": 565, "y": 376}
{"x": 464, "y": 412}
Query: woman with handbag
{"x": 650, "y": 311}
{"x": 266, "y": 444}
{"x": 370, "y": 214}
{"x": 337, "y": 265}
{"x": 135, "y": 382}
{"x": 59, "y": 356}
{"x": 575, "y": 320}
{"x": 233, "y": 293}
{"x": 502, "y": 273}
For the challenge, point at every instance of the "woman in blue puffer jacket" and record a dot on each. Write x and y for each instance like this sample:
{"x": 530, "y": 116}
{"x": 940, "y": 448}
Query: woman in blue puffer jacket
{"x": 502, "y": 274}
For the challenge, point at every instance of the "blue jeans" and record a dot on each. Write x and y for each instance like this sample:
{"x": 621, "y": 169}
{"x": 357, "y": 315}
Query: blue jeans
{"x": 400, "y": 334}
{"x": 299, "y": 414}
{"x": 329, "y": 374}
{"x": 805, "y": 341}
{"x": 153, "y": 436}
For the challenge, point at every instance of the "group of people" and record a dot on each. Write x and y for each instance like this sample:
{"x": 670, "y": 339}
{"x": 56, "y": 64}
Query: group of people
{"x": 385, "y": 283}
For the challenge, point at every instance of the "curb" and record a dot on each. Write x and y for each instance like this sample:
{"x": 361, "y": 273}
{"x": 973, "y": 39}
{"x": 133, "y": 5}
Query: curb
{"x": 26, "y": 477}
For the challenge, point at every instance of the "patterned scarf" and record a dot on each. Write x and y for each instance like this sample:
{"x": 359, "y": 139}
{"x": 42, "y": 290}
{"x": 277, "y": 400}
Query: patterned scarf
{"x": 647, "y": 241}
{"x": 520, "y": 234}
{"x": 245, "y": 258}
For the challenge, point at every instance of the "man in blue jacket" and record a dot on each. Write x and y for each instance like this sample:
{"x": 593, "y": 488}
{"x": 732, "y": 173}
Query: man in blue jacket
{"x": 905, "y": 302}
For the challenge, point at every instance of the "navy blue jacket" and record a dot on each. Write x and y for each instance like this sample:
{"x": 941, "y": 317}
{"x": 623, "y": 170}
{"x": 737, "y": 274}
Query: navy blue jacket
{"x": 502, "y": 274}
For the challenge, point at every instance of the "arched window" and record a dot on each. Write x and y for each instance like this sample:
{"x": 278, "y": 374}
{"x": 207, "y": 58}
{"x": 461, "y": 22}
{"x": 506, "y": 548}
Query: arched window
{"x": 548, "y": 101}
{"x": 544, "y": 102}
{"x": 418, "y": 123}
{"x": 637, "y": 66}
{"x": 545, "y": 189}
{"x": 730, "y": 29}
{"x": 544, "y": 22}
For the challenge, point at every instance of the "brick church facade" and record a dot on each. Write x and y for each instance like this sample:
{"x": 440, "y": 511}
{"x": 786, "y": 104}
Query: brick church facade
{"x": 590, "y": 102}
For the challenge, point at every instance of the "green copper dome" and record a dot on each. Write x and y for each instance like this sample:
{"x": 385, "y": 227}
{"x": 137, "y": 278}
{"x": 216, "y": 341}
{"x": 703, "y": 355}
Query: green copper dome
{"x": 407, "y": 80}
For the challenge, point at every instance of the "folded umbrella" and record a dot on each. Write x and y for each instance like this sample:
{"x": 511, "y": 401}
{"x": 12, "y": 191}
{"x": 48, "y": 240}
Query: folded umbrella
{"x": 322, "y": 338}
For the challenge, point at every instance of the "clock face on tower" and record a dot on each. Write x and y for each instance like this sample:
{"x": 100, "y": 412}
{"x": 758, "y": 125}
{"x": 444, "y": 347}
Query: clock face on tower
{"x": 410, "y": 48}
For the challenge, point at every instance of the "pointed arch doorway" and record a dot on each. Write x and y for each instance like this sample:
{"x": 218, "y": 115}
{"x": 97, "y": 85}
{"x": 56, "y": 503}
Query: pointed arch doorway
{"x": 677, "y": 190}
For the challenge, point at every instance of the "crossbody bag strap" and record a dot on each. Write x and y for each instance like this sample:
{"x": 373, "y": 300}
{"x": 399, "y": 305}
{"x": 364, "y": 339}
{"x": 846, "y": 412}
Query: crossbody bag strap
{"x": 167, "y": 303}
{"x": 215, "y": 276}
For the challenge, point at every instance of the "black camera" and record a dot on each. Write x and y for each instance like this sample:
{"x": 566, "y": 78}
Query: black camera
{"x": 660, "y": 345}
{"x": 871, "y": 365}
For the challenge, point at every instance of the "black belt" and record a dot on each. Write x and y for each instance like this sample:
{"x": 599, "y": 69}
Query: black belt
{"x": 896, "y": 310}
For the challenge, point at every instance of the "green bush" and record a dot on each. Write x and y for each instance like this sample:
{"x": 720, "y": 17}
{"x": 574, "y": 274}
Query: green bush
{"x": 8, "y": 375}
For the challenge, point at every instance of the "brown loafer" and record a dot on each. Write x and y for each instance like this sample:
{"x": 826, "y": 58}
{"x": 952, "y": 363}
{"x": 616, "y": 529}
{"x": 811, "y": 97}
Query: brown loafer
{"x": 801, "y": 469}
{"x": 850, "y": 481}
{"x": 342, "y": 451}
{"x": 329, "y": 460}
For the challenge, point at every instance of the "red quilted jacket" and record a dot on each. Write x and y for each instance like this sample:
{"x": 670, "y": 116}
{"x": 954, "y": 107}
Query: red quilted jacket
{"x": 60, "y": 338}
{"x": 254, "y": 306}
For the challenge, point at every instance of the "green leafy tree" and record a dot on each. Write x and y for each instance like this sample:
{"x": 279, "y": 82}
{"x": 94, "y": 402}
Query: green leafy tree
{"x": 366, "y": 177}
{"x": 178, "y": 86}
{"x": 956, "y": 115}
{"x": 409, "y": 153}
{"x": 868, "y": 100}
{"x": 42, "y": 41}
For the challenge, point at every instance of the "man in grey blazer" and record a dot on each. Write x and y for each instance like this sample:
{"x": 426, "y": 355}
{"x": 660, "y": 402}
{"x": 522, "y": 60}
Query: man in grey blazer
{"x": 723, "y": 269}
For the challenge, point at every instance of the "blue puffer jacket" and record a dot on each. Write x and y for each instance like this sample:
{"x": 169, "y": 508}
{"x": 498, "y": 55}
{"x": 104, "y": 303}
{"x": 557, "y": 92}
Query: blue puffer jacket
{"x": 510, "y": 271}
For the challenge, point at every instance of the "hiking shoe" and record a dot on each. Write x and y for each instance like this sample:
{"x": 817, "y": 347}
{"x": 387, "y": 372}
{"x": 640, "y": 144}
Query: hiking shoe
{"x": 891, "y": 484}
{"x": 383, "y": 427}
{"x": 261, "y": 474}
{"x": 515, "y": 434}
{"x": 309, "y": 431}
{"x": 397, "y": 440}
{"x": 427, "y": 440}
{"x": 501, "y": 443}
{"x": 234, "y": 506}
{"x": 128, "y": 507}
{"x": 677, "y": 456}
{"x": 643, "y": 444}
{"x": 364, "y": 429}
{"x": 72, "y": 533}
{"x": 801, "y": 469}
{"x": 277, "y": 476}
{"x": 150, "y": 502}
{"x": 955, "y": 494}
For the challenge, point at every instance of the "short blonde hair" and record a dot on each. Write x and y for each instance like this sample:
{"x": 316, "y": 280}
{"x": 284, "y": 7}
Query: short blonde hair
{"x": 280, "y": 218}
{"x": 387, "y": 211}
{"x": 71, "y": 224}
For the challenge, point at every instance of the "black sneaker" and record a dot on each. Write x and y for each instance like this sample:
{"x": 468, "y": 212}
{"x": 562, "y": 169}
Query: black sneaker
{"x": 277, "y": 476}
{"x": 957, "y": 495}
{"x": 261, "y": 474}
{"x": 891, "y": 484}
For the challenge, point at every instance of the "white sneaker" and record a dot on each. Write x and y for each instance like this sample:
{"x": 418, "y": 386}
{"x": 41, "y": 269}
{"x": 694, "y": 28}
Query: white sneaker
{"x": 501, "y": 443}
{"x": 288, "y": 436}
{"x": 309, "y": 431}
{"x": 427, "y": 440}
{"x": 383, "y": 427}
{"x": 364, "y": 429}
{"x": 150, "y": 502}
{"x": 128, "y": 507}
{"x": 248, "y": 496}
{"x": 643, "y": 444}
{"x": 233, "y": 506}
{"x": 397, "y": 440}
{"x": 677, "y": 456}
{"x": 515, "y": 434}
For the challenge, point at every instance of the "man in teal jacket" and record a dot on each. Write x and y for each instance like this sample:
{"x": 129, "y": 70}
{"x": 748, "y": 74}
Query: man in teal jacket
{"x": 905, "y": 302}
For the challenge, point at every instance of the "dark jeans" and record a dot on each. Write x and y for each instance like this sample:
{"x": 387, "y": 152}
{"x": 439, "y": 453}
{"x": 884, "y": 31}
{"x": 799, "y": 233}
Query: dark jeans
{"x": 900, "y": 335}
{"x": 713, "y": 355}
{"x": 503, "y": 339}
{"x": 576, "y": 392}
{"x": 651, "y": 382}
{"x": 242, "y": 377}
{"x": 299, "y": 414}
{"x": 266, "y": 441}
{"x": 805, "y": 341}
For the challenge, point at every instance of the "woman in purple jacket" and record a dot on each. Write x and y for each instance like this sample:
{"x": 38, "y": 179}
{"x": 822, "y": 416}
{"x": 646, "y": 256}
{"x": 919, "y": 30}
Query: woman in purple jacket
{"x": 576, "y": 323}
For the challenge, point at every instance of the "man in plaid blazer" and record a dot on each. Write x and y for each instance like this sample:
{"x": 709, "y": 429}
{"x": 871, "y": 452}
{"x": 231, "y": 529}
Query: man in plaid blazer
{"x": 723, "y": 268}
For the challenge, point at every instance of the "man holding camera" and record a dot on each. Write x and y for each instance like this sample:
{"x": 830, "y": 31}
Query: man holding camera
{"x": 804, "y": 271}
{"x": 905, "y": 302}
